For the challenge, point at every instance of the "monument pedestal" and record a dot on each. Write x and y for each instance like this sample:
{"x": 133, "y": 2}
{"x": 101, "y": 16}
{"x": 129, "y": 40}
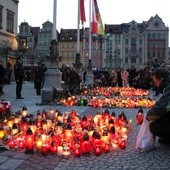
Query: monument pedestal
{"x": 90, "y": 76}
{"x": 52, "y": 82}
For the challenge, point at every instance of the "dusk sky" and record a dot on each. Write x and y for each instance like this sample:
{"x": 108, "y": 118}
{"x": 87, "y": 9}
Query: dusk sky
{"x": 36, "y": 12}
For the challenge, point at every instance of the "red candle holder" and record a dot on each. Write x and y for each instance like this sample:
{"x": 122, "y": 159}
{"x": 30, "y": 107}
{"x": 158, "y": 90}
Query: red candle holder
{"x": 86, "y": 146}
{"x": 29, "y": 142}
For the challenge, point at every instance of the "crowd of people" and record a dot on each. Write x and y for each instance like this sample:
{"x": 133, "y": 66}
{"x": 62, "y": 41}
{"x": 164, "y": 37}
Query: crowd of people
{"x": 157, "y": 78}
{"x": 131, "y": 77}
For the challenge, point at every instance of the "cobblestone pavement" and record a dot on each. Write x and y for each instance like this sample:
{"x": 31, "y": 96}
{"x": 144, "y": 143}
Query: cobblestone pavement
{"x": 127, "y": 159}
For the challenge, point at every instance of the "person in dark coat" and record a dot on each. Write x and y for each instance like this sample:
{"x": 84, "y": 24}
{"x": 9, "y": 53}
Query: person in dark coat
{"x": 2, "y": 74}
{"x": 156, "y": 65}
{"x": 8, "y": 73}
{"x": 132, "y": 74}
{"x": 19, "y": 77}
{"x": 159, "y": 114}
{"x": 39, "y": 77}
{"x": 72, "y": 80}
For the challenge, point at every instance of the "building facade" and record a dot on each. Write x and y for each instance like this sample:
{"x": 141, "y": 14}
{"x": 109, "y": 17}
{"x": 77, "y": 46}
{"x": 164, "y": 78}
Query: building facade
{"x": 112, "y": 46}
{"x": 122, "y": 45}
{"x": 96, "y": 49}
{"x": 27, "y": 44}
{"x": 68, "y": 46}
{"x": 44, "y": 39}
{"x": 136, "y": 44}
{"x": 8, "y": 30}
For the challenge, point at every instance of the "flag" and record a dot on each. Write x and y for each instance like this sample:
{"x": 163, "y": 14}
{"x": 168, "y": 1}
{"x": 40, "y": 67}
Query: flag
{"x": 97, "y": 25}
{"x": 82, "y": 12}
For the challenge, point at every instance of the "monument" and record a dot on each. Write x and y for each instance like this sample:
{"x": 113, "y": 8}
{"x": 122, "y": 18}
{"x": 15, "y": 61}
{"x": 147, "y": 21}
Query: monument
{"x": 53, "y": 74}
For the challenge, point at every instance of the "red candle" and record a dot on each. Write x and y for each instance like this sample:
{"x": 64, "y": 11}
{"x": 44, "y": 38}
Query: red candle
{"x": 44, "y": 150}
{"x": 21, "y": 144}
{"x": 122, "y": 144}
{"x": 139, "y": 118}
{"x": 97, "y": 151}
{"x": 85, "y": 146}
{"x": 77, "y": 152}
{"x": 107, "y": 148}
{"x": 53, "y": 149}
{"x": 29, "y": 142}
{"x": 11, "y": 144}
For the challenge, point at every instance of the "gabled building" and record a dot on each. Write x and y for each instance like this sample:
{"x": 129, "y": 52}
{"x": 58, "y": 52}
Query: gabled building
{"x": 157, "y": 40}
{"x": 27, "y": 43}
{"x": 68, "y": 46}
{"x": 44, "y": 39}
{"x": 96, "y": 49}
{"x": 136, "y": 44}
{"x": 112, "y": 46}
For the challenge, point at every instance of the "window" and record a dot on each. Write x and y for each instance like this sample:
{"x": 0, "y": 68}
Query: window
{"x": 140, "y": 60}
{"x": 140, "y": 51}
{"x": 158, "y": 54}
{"x": 159, "y": 35}
{"x": 149, "y": 35}
{"x": 10, "y": 21}
{"x": 133, "y": 60}
{"x": 148, "y": 54}
{"x": 133, "y": 49}
{"x": 140, "y": 41}
{"x": 126, "y": 60}
{"x": 133, "y": 40}
{"x": 154, "y": 35}
{"x": 126, "y": 41}
{"x": 1, "y": 13}
{"x": 72, "y": 46}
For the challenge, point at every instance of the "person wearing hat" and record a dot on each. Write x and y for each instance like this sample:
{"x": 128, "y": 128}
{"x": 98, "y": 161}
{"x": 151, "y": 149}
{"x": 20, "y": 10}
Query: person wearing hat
{"x": 19, "y": 77}
{"x": 159, "y": 114}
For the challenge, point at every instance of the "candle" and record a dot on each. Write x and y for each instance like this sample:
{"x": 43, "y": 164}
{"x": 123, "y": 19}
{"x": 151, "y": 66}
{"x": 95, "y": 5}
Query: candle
{"x": 10, "y": 123}
{"x": 59, "y": 150}
{"x": 29, "y": 142}
{"x": 139, "y": 118}
{"x": 85, "y": 146}
{"x": 44, "y": 149}
{"x": 24, "y": 111}
{"x": 130, "y": 125}
{"x": 11, "y": 143}
{"x": 38, "y": 142}
{"x": 107, "y": 148}
{"x": 53, "y": 148}
{"x": 14, "y": 130}
{"x": 2, "y": 132}
{"x": 66, "y": 152}
{"x": 21, "y": 144}
{"x": 77, "y": 152}
{"x": 122, "y": 144}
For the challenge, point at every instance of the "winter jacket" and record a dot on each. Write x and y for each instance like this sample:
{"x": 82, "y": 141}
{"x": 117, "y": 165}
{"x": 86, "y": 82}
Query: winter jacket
{"x": 162, "y": 106}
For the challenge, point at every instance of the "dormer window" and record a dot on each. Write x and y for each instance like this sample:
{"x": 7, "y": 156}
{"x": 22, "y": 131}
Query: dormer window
{"x": 133, "y": 29}
{"x": 156, "y": 24}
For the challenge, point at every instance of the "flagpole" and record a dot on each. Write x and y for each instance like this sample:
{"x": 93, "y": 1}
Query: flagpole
{"x": 89, "y": 75}
{"x": 77, "y": 65}
{"x": 78, "y": 28}
{"x": 90, "y": 64}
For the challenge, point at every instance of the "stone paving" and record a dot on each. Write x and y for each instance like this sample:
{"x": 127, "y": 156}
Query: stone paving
{"x": 126, "y": 159}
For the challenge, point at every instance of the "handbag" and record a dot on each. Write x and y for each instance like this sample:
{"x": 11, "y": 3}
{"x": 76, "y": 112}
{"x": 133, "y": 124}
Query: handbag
{"x": 145, "y": 139}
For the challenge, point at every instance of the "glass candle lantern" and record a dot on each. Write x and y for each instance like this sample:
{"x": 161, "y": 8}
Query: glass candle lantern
{"x": 29, "y": 141}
